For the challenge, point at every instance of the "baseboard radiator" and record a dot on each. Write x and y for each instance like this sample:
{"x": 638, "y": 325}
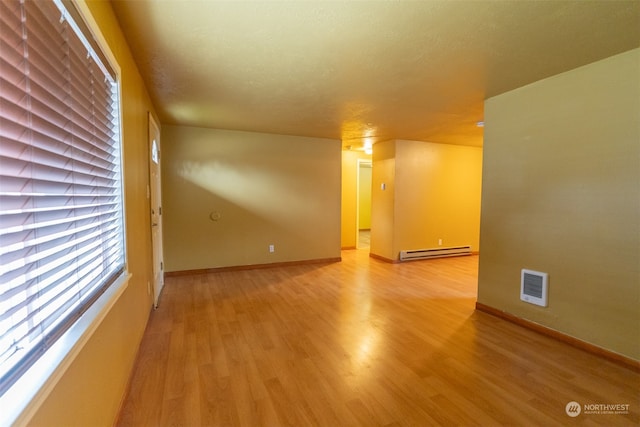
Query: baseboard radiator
{"x": 434, "y": 253}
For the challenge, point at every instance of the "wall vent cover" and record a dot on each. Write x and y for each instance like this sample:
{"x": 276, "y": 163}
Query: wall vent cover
{"x": 533, "y": 287}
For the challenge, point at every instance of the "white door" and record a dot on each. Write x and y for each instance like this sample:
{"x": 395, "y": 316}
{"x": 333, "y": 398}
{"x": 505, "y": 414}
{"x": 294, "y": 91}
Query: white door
{"x": 155, "y": 197}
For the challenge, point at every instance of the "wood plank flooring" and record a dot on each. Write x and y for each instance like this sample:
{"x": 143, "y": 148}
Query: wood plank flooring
{"x": 357, "y": 343}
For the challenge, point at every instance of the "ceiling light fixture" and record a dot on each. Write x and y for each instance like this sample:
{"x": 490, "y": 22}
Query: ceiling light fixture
{"x": 368, "y": 146}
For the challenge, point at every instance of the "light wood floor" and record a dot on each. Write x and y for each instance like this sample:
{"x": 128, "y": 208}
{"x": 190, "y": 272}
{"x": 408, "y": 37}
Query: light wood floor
{"x": 360, "y": 342}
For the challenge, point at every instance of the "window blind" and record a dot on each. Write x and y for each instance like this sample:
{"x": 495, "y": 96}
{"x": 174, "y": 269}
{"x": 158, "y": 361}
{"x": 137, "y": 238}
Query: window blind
{"x": 61, "y": 216}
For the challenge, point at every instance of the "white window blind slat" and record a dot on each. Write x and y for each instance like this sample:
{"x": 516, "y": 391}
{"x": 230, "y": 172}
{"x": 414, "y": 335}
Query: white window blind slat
{"x": 15, "y": 142}
{"x": 61, "y": 219}
{"x": 21, "y": 254}
{"x": 97, "y": 162}
{"x": 49, "y": 166}
{"x": 52, "y": 204}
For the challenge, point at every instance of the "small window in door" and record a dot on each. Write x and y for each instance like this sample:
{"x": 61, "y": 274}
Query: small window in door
{"x": 154, "y": 151}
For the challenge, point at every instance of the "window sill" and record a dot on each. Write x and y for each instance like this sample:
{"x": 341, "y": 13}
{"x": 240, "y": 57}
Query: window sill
{"x": 22, "y": 400}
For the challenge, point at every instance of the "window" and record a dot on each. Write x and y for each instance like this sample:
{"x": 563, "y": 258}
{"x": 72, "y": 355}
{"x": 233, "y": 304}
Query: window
{"x": 61, "y": 215}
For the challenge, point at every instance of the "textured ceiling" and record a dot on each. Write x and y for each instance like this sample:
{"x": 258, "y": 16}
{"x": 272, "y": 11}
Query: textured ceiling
{"x": 351, "y": 70}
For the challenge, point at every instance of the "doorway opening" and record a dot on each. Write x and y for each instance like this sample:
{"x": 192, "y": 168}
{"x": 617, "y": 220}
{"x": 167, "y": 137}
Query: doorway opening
{"x": 363, "y": 207}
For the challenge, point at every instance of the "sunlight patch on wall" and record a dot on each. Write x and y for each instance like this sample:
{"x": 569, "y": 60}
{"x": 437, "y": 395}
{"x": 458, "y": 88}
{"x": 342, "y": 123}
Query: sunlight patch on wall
{"x": 264, "y": 193}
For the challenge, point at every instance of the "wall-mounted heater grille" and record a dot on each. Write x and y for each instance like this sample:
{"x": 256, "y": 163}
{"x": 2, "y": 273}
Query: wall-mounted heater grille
{"x": 434, "y": 253}
{"x": 533, "y": 287}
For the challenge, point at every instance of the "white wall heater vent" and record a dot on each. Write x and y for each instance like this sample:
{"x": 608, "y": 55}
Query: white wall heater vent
{"x": 533, "y": 287}
{"x": 434, "y": 253}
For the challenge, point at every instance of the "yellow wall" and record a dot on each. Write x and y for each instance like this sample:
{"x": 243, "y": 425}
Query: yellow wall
{"x": 383, "y": 201}
{"x": 348, "y": 220}
{"x": 561, "y": 194}
{"x": 432, "y": 192}
{"x": 266, "y": 189}
{"x": 91, "y": 390}
{"x": 437, "y": 195}
{"x": 364, "y": 197}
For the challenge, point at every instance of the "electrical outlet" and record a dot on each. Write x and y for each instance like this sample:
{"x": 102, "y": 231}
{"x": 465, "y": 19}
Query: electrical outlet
{"x": 272, "y": 248}
{"x": 439, "y": 242}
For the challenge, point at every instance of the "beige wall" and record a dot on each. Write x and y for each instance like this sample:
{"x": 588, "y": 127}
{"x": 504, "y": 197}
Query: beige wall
{"x": 561, "y": 194}
{"x": 432, "y": 193}
{"x": 266, "y": 189}
{"x": 91, "y": 390}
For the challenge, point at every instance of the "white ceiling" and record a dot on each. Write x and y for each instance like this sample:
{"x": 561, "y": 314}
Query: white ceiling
{"x": 348, "y": 70}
